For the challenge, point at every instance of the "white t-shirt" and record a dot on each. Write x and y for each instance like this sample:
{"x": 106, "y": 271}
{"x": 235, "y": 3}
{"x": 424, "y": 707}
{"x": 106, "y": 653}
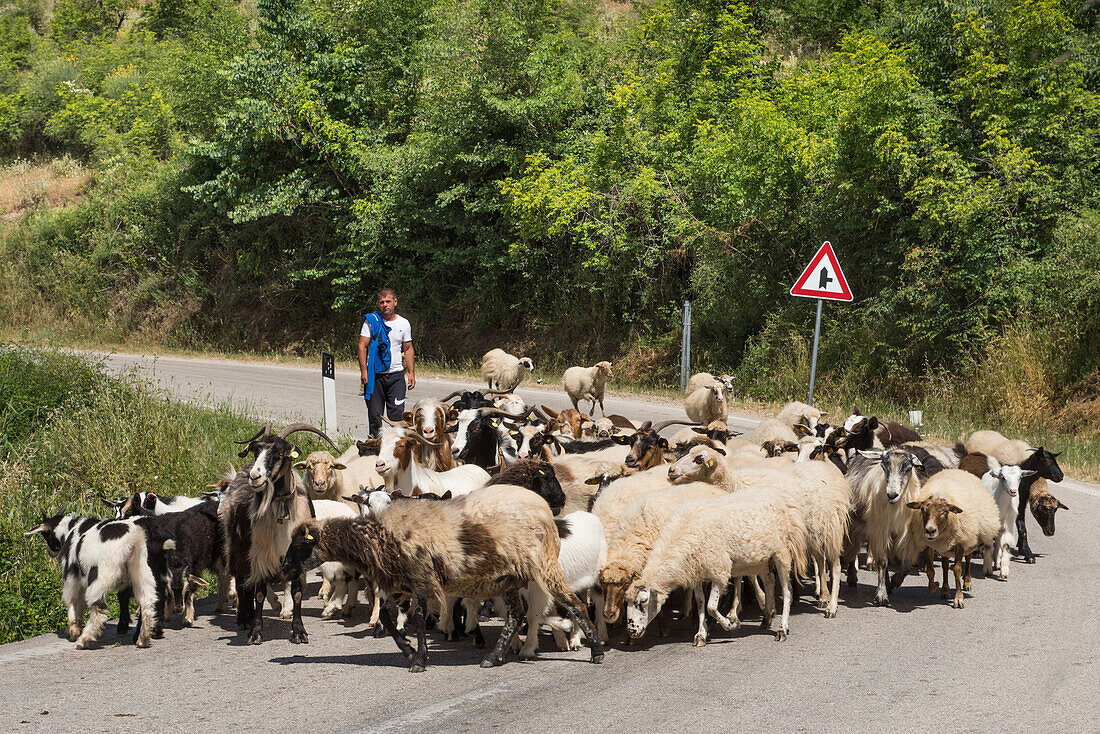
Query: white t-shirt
{"x": 401, "y": 331}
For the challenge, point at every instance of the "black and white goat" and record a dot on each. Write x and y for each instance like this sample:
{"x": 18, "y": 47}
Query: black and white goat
{"x": 101, "y": 556}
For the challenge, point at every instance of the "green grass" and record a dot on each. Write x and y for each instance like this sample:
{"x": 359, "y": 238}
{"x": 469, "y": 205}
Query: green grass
{"x": 73, "y": 436}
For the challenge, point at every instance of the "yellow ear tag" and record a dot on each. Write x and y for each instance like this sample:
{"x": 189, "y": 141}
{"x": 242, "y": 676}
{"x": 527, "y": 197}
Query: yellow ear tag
{"x": 710, "y": 462}
{"x": 294, "y": 454}
{"x": 309, "y": 537}
{"x": 542, "y": 472}
{"x": 635, "y": 576}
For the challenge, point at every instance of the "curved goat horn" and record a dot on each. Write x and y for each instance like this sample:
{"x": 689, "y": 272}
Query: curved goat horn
{"x": 295, "y": 427}
{"x": 395, "y": 425}
{"x": 417, "y": 437}
{"x": 497, "y": 392}
{"x": 676, "y": 421}
{"x": 498, "y": 411}
{"x": 645, "y": 426}
{"x": 265, "y": 431}
{"x": 455, "y": 394}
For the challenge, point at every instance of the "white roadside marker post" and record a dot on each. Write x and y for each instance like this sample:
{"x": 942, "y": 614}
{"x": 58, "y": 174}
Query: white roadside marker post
{"x": 328, "y": 391}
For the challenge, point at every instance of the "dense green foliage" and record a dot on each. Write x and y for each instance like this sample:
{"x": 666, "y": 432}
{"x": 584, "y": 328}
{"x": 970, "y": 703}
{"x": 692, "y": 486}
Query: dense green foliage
{"x": 557, "y": 175}
{"x": 73, "y": 436}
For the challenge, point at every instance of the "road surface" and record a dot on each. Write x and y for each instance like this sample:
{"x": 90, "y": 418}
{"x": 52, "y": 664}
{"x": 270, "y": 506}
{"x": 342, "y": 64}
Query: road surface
{"x": 1022, "y": 656}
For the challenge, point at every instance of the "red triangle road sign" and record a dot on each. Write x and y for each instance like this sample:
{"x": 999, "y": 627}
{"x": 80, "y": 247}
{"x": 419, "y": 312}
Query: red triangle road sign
{"x": 823, "y": 278}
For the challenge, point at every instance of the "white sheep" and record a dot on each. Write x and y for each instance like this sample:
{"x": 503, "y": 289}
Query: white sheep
{"x": 772, "y": 429}
{"x": 826, "y": 500}
{"x": 342, "y": 582}
{"x": 707, "y": 404}
{"x": 327, "y": 478}
{"x": 503, "y": 371}
{"x": 755, "y": 532}
{"x": 1003, "y": 482}
{"x": 796, "y": 412}
{"x": 618, "y": 496}
{"x": 706, "y": 379}
{"x": 1004, "y": 450}
{"x": 583, "y": 552}
{"x": 953, "y": 514}
{"x": 638, "y": 528}
{"x": 587, "y": 383}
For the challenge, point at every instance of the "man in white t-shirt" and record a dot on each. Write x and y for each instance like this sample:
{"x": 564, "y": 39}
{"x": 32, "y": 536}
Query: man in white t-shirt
{"x": 389, "y": 385}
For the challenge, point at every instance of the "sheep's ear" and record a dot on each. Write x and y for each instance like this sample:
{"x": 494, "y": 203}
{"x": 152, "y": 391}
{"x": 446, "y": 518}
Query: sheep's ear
{"x": 293, "y": 453}
{"x": 913, "y": 505}
{"x": 955, "y": 509}
{"x": 407, "y": 416}
{"x": 803, "y": 430}
{"x": 824, "y": 413}
{"x": 872, "y": 423}
{"x": 918, "y": 463}
{"x": 339, "y": 467}
{"x": 593, "y": 480}
{"x": 869, "y": 454}
{"x": 1061, "y": 506}
{"x": 40, "y": 529}
{"x": 353, "y": 498}
{"x": 452, "y": 414}
{"x": 699, "y": 429}
{"x": 855, "y": 410}
{"x": 197, "y": 580}
{"x": 624, "y": 440}
{"x": 300, "y": 465}
{"x": 446, "y": 495}
{"x": 720, "y": 450}
{"x": 663, "y": 443}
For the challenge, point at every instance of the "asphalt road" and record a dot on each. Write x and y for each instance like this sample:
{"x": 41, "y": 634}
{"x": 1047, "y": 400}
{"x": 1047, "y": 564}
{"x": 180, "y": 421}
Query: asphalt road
{"x": 1022, "y": 656}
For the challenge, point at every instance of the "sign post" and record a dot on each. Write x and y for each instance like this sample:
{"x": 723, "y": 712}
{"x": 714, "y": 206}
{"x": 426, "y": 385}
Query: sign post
{"x": 822, "y": 279}
{"x": 685, "y": 350}
{"x": 328, "y": 390}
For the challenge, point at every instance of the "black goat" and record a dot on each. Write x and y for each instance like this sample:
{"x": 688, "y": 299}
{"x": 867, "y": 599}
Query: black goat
{"x": 537, "y": 476}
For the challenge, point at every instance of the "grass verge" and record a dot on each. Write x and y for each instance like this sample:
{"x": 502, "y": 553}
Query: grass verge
{"x": 74, "y": 435}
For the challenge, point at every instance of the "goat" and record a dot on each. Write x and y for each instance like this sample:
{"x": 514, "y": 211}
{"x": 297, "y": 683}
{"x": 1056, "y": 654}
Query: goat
{"x": 262, "y": 507}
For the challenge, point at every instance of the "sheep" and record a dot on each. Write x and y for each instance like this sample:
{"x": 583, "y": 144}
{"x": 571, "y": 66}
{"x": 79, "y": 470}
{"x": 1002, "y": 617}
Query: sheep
{"x": 583, "y": 552}
{"x": 826, "y": 500}
{"x": 1003, "y": 482}
{"x": 758, "y": 531}
{"x": 957, "y": 514}
{"x": 707, "y": 404}
{"x": 1043, "y": 505}
{"x": 706, "y": 379}
{"x": 98, "y": 557}
{"x": 326, "y": 478}
{"x": 587, "y": 383}
{"x": 773, "y": 429}
{"x": 503, "y": 371}
{"x": 638, "y": 527}
{"x": 489, "y": 543}
{"x": 343, "y": 587}
{"x": 1043, "y": 462}
{"x": 608, "y": 507}
{"x": 261, "y": 508}
{"x": 797, "y": 412}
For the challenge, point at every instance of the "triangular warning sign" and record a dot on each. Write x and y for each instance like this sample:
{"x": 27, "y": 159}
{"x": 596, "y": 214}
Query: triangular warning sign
{"x": 823, "y": 278}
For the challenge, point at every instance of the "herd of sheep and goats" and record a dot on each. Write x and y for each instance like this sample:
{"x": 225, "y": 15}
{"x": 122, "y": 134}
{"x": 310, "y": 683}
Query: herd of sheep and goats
{"x": 479, "y": 505}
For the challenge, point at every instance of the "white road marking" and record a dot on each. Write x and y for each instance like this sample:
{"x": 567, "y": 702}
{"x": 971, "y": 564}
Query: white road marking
{"x": 431, "y": 712}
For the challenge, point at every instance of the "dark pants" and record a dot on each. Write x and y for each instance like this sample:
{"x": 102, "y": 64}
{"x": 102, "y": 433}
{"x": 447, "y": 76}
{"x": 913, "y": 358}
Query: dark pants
{"x": 389, "y": 392}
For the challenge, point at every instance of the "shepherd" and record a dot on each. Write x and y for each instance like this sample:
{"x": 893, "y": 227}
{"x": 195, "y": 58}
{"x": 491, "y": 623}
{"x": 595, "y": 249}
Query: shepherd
{"x": 385, "y": 356}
